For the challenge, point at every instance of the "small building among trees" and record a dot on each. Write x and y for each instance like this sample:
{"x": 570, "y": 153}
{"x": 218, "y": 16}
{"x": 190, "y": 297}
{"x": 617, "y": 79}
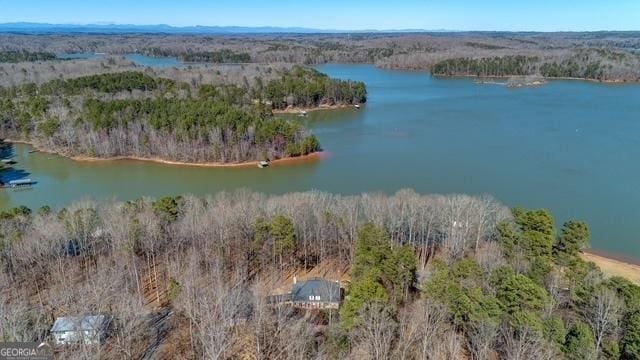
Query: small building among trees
{"x": 315, "y": 293}
{"x": 88, "y": 330}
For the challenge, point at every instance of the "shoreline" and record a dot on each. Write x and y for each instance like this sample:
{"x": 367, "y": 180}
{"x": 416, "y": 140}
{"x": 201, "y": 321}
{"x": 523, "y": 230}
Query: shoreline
{"x": 472, "y": 76}
{"x": 459, "y": 76}
{"x": 253, "y": 163}
{"x": 614, "y": 265}
{"x": 609, "y": 264}
{"x": 299, "y": 110}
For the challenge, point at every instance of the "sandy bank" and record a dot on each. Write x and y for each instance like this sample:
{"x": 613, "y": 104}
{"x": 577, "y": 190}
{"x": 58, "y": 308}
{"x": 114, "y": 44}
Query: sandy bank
{"x": 611, "y": 266}
{"x": 284, "y": 161}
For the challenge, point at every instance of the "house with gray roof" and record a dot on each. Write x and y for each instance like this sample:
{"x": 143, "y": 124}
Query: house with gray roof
{"x": 88, "y": 329}
{"x": 314, "y": 293}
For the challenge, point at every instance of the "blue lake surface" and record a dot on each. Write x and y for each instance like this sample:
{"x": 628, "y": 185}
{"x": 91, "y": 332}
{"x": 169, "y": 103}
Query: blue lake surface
{"x": 158, "y": 62}
{"x": 138, "y": 59}
{"x": 79, "y": 56}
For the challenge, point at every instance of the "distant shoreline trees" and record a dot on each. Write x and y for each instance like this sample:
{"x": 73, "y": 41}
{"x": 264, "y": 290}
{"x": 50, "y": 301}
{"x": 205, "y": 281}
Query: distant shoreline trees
{"x": 219, "y": 57}
{"x": 20, "y": 56}
{"x": 498, "y": 66}
{"x": 602, "y": 56}
{"x": 222, "y": 56}
{"x": 578, "y": 67}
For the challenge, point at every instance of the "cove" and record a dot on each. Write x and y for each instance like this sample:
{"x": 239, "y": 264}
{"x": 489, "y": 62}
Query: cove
{"x": 569, "y": 146}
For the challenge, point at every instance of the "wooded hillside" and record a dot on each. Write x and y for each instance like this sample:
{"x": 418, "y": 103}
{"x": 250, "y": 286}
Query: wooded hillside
{"x": 432, "y": 276}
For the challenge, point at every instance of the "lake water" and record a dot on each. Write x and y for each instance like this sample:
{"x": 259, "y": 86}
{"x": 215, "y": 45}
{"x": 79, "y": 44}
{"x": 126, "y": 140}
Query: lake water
{"x": 569, "y": 146}
{"x": 158, "y": 62}
{"x": 138, "y": 59}
{"x": 79, "y": 56}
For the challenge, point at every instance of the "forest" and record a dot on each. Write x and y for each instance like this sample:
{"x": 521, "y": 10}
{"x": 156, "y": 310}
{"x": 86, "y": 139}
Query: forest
{"x": 217, "y": 56}
{"x": 428, "y": 277}
{"x": 521, "y": 65}
{"x": 306, "y": 87}
{"x": 136, "y": 114}
{"x": 499, "y": 66}
{"x": 601, "y": 56}
{"x": 222, "y": 56}
{"x": 105, "y": 83}
{"x": 19, "y": 56}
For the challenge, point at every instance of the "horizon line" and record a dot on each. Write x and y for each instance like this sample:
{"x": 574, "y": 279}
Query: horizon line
{"x": 107, "y": 24}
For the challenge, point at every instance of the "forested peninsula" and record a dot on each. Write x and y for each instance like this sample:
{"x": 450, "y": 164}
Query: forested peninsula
{"x": 423, "y": 276}
{"x": 126, "y": 112}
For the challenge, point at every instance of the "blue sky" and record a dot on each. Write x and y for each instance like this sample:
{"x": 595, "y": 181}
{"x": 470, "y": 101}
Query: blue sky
{"x": 538, "y": 15}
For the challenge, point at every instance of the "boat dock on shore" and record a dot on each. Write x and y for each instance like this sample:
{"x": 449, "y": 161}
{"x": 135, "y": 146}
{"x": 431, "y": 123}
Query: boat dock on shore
{"x": 20, "y": 183}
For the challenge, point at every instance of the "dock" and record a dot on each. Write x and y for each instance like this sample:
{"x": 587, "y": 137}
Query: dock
{"x": 21, "y": 183}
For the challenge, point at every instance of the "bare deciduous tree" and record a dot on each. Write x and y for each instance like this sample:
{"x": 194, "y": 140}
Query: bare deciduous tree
{"x": 603, "y": 314}
{"x": 482, "y": 336}
{"x": 374, "y": 337}
{"x": 525, "y": 344}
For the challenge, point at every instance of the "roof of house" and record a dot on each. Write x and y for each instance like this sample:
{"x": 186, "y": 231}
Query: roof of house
{"x": 328, "y": 291}
{"x": 75, "y": 323}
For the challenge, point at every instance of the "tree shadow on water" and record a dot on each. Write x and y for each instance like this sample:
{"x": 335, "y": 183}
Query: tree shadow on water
{"x": 7, "y": 151}
{"x": 11, "y": 174}
{"x": 7, "y": 174}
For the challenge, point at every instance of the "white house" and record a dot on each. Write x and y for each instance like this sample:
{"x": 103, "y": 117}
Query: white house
{"x": 89, "y": 329}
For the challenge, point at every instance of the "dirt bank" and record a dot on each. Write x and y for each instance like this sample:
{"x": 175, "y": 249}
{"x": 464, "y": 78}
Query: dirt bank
{"x": 81, "y": 158}
{"x": 612, "y": 266}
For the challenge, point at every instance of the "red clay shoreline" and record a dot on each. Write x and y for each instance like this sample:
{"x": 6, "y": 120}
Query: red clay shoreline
{"x": 472, "y": 76}
{"x": 83, "y": 158}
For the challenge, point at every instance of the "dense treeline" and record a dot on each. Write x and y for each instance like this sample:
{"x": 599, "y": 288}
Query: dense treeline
{"x": 572, "y": 69}
{"x": 211, "y": 127}
{"x": 432, "y": 277}
{"x": 498, "y": 66}
{"x": 539, "y": 299}
{"x": 305, "y": 87}
{"x": 19, "y": 56}
{"x": 591, "y": 65}
{"x": 106, "y": 83}
{"x": 221, "y": 56}
{"x": 137, "y": 115}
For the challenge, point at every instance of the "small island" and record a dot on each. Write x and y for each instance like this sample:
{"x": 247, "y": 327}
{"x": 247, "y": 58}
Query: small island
{"x": 584, "y": 64}
{"x": 128, "y": 113}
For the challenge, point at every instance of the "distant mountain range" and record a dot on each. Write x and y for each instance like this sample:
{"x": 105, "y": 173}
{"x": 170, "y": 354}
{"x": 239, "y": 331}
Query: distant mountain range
{"x": 41, "y": 28}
